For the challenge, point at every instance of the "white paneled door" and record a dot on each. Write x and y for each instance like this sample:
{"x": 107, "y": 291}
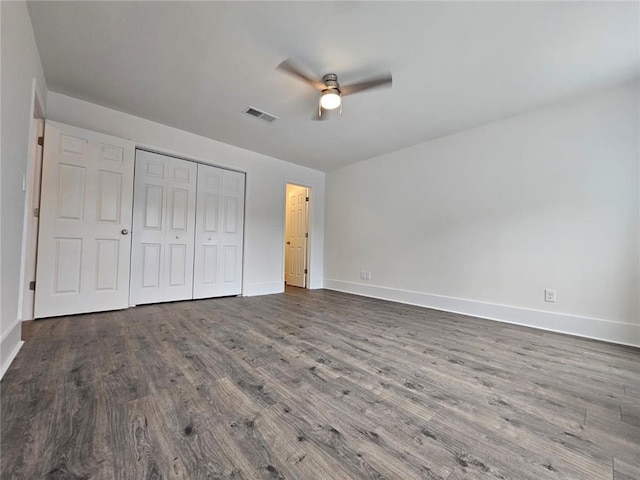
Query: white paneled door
{"x": 163, "y": 229}
{"x": 296, "y": 228}
{"x": 219, "y": 233}
{"x": 85, "y": 218}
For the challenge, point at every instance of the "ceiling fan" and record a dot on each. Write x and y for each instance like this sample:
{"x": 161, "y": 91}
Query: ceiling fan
{"x": 331, "y": 92}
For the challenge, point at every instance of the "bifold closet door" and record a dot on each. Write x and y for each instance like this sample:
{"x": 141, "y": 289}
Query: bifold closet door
{"x": 164, "y": 208}
{"x": 219, "y": 233}
{"x": 85, "y": 217}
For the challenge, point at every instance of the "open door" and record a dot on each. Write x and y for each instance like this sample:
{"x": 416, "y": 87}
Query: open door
{"x": 85, "y": 218}
{"x": 296, "y": 235}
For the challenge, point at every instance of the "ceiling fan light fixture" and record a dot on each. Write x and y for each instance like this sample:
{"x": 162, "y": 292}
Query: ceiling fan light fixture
{"x": 330, "y": 99}
{"x": 330, "y": 90}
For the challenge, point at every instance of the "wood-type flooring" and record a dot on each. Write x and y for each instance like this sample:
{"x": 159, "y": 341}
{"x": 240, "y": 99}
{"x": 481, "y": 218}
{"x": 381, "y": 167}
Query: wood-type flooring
{"x": 315, "y": 385}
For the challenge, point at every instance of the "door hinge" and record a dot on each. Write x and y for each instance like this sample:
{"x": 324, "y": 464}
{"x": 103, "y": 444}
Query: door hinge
{"x": 36, "y": 212}
{"x": 306, "y": 235}
{"x": 307, "y": 199}
{"x": 41, "y": 141}
{"x": 305, "y": 271}
{"x": 32, "y": 285}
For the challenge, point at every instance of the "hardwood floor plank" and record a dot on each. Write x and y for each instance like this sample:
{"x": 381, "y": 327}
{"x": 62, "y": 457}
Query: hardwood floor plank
{"x": 626, "y": 469}
{"x": 630, "y": 413}
{"x": 72, "y": 446}
{"x": 140, "y": 444}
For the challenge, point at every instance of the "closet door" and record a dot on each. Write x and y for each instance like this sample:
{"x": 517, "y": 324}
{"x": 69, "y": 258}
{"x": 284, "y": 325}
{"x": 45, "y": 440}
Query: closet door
{"x": 85, "y": 218}
{"x": 163, "y": 229}
{"x": 219, "y": 233}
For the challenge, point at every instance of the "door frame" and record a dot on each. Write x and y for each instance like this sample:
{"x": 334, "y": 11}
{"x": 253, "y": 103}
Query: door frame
{"x": 31, "y": 221}
{"x": 308, "y": 266}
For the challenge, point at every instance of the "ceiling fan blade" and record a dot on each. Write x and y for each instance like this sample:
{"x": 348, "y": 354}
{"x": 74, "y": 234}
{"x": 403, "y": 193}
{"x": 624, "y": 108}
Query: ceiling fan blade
{"x": 292, "y": 69}
{"x": 383, "y": 80}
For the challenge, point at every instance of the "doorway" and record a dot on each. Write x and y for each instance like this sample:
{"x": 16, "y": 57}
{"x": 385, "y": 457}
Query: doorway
{"x": 296, "y": 257}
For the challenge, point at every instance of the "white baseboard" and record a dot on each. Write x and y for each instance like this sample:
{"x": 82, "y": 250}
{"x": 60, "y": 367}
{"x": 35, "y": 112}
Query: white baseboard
{"x": 270, "y": 288}
{"x": 10, "y": 344}
{"x": 267, "y": 288}
{"x": 606, "y": 330}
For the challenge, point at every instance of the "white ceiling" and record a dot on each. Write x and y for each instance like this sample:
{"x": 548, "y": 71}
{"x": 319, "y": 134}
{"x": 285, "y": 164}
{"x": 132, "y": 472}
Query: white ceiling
{"x": 197, "y": 65}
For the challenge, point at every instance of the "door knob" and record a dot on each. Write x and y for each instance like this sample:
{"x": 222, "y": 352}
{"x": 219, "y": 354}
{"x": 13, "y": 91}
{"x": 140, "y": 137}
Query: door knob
{"x": 124, "y": 231}
{"x": 288, "y": 243}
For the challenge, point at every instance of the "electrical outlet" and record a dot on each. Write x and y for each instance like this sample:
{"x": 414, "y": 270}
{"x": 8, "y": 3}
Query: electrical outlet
{"x": 364, "y": 275}
{"x": 368, "y": 276}
{"x": 549, "y": 295}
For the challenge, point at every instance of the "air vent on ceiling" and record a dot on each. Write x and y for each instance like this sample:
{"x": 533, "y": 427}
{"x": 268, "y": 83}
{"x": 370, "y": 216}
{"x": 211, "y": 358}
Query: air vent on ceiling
{"x": 267, "y": 117}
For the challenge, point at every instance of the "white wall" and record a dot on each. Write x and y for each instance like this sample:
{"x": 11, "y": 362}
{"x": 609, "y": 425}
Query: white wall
{"x": 20, "y": 64}
{"x": 483, "y": 221}
{"x": 265, "y": 190}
